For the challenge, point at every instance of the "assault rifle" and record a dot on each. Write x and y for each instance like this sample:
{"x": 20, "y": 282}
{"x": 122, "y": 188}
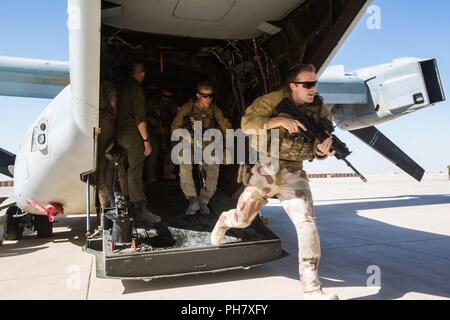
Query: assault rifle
{"x": 322, "y": 130}
{"x": 188, "y": 123}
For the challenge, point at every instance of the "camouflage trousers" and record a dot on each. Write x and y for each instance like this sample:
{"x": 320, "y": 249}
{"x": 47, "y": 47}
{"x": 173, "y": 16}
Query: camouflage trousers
{"x": 188, "y": 185}
{"x": 291, "y": 187}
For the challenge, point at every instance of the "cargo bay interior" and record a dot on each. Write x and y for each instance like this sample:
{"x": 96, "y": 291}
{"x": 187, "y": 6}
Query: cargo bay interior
{"x": 243, "y": 47}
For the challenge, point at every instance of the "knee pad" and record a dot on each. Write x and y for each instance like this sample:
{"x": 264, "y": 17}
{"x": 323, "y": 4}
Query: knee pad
{"x": 251, "y": 195}
{"x": 248, "y": 206}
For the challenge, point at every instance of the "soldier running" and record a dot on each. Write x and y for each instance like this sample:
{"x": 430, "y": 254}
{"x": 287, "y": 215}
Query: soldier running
{"x": 289, "y": 184}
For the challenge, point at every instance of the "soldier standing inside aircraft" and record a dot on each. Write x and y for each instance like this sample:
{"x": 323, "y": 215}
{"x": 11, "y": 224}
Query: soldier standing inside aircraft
{"x": 289, "y": 183}
{"x": 160, "y": 115}
{"x": 132, "y": 135}
{"x": 168, "y": 111}
{"x": 205, "y": 110}
{"x": 105, "y": 170}
{"x": 155, "y": 129}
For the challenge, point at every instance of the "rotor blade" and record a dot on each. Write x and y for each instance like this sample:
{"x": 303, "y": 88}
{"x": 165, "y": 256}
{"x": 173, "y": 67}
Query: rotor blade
{"x": 378, "y": 141}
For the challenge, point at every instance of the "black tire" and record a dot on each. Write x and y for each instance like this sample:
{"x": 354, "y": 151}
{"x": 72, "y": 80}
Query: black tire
{"x": 43, "y": 227}
{"x": 14, "y": 229}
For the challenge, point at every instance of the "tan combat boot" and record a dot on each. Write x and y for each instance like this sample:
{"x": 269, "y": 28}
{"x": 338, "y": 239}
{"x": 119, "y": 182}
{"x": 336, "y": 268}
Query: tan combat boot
{"x": 194, "y": 206}
{"x": 309, "y": 276}
{"x": 218, "y": 233}
{"x": 204, "y": 205}
{"x": 319, "y": 295}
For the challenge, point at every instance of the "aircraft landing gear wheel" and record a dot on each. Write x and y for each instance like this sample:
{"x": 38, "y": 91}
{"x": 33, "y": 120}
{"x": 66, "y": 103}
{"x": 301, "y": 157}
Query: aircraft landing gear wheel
{"x": 14, "y": 229}
{"x": 43, "y": 227}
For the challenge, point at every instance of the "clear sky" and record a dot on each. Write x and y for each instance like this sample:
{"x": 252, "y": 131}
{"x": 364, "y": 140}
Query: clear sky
{"x": 37, "y": 29}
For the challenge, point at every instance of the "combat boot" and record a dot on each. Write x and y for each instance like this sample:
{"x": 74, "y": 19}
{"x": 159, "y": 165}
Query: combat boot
{"x": 218, "y": 233}
{"x": 204, "y": 205}
{"x": 143, "y": 215}
{"x": 309, "y": 277}
{"x": 194, "y": 206}
{"x": 319, "y": 295}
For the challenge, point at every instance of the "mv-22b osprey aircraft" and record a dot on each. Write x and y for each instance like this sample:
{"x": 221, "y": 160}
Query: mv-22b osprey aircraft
{"x": 245, "y": 47}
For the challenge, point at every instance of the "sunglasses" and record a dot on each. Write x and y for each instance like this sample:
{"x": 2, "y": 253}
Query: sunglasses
{"x": 206, "y": 95}
{"x": 167, "y": 96}
{"x": 307, "y": 84}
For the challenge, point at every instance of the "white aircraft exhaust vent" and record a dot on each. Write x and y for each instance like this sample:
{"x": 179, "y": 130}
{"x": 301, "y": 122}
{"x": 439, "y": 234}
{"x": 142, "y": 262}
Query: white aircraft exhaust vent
{"x": 211, "y": 10}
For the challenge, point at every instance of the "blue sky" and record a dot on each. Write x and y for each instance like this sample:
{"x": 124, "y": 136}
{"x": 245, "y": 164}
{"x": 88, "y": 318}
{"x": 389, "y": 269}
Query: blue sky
{"x": 37, "y": 29}
{"x": 408, "y": 29}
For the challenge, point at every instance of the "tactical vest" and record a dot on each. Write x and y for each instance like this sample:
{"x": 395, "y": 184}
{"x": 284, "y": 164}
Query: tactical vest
{"x": 208, "y": 122}
{"x": 293, "y": 146}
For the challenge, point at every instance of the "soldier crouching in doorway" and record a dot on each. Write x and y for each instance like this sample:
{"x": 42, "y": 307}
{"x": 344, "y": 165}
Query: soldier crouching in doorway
{"x": 289, "y": 183}
{"x": 160, "y": 114}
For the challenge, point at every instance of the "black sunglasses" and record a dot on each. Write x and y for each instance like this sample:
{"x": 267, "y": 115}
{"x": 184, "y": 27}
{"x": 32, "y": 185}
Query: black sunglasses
{"x": 307, "y": 84}
{"x": 206, "y": 95}
{"x": 167, "y": 96}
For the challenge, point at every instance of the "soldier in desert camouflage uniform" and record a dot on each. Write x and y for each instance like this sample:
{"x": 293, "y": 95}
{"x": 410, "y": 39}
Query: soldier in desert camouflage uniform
{"x": 289, "y": 183}
{"x": 206, "y": 111}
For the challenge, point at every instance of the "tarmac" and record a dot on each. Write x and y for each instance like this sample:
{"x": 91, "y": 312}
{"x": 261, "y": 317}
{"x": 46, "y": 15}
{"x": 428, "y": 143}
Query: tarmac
{"x": 385, "y": 239}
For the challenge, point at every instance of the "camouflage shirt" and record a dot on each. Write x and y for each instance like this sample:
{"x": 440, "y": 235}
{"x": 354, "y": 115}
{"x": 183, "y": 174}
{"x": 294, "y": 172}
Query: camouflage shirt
{"x": 211, "y": 117}
{"x": 293, "y": 150}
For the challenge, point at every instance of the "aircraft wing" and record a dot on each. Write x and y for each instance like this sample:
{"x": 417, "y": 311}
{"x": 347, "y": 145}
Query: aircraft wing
{"x": 367, "y": 97}
{"x": 343, "y": 90}
{"x": 373, "y": 95}
{"x": 32, "y": 78}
